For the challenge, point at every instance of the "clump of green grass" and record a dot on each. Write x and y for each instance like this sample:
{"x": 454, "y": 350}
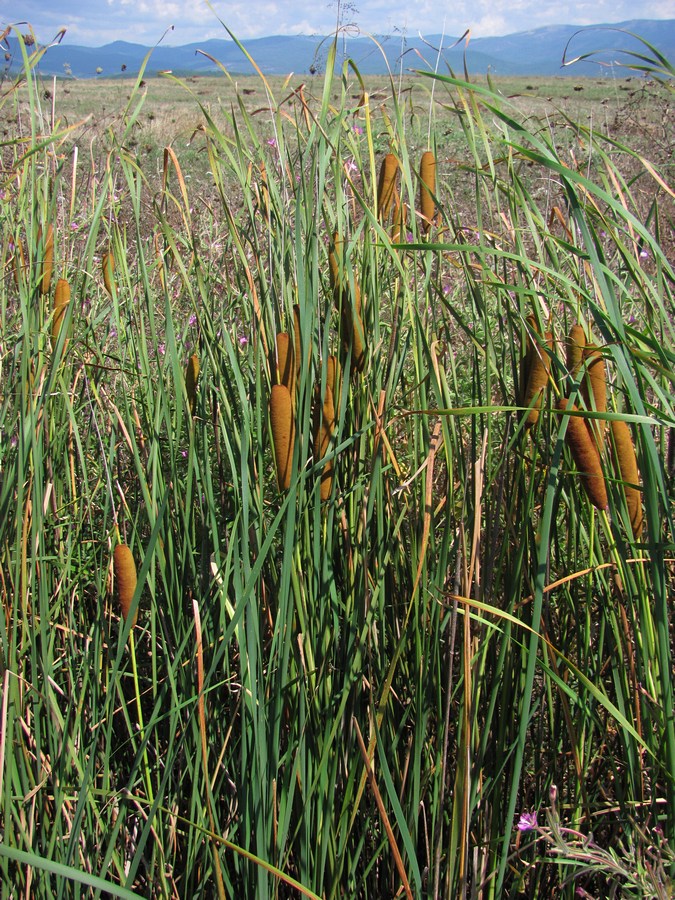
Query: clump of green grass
{"x": 380, "y": 621}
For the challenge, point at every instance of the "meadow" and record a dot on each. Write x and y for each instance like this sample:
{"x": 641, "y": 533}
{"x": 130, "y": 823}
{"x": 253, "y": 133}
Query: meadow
{"x": 337, "y": 470}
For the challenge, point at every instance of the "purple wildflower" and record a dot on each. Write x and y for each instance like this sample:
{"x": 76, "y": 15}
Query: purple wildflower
{"x": 527, "y": 821}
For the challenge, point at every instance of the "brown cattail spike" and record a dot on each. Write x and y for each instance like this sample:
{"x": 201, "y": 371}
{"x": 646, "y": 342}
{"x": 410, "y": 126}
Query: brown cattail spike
{"x": 336, "y": 267}
{"x": 594, "y": 388}
{"x": 125, "y": 579}
{"x": 333, "y": 375}
{"x": 108, "y": 267}
{"x": 399, "y": 219}
{"x": 284, "y": 365}
{"x": 526, "y": 358}
{"x": 191, "y": 379}
{"x": 61, "y": 301}
{"x": 353, "y": 331}
{"x": 386, "y": 186}
{"x": 324, "y": 423}
{"x": 427, "y": 189}
{"x": 538, "y": 368}
{"x": 283, "y": 433}
{"x": 47, "y": 259}
{"x": 586, "y": 457}
{"x": 625, "y": 455}
{"x": 576, "y": 344}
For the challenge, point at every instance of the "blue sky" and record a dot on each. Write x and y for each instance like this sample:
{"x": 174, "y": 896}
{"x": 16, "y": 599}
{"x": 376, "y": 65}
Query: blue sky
{"x": 97, "y": 22}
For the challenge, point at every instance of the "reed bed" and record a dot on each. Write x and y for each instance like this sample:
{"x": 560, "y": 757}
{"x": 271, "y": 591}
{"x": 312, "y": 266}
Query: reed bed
{"x": 377, "y": 627}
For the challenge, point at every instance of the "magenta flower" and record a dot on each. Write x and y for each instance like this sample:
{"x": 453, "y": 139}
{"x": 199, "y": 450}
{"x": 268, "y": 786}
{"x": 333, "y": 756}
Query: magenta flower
{"x": 527, "y": 821}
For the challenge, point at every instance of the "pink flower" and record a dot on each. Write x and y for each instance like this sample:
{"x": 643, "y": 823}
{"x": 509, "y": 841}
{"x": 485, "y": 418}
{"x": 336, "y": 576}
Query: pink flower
{"x": 527, "y": 821}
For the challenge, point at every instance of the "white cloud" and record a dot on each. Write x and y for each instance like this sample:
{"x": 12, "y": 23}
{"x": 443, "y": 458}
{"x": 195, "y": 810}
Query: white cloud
{"x": 145, "y": 21}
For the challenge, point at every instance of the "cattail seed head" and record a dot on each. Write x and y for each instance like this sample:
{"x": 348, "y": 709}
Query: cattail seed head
{"x": 594, "y": 388}
{"x": 283, "y": 433}
{"x": 399, "y": 219}
{"x": 628, "y": 467}
{"x": 191, "y": 379}
{"x": 324, "y": 424}
{"x": 336, "y": 267}
{"x": 526, "y": 358}
{"x": 353, "y": 332}
{"x": 125, "y": 579}
{"x": 427, "y": 189}
{"x": 538, "y": 367}
{"x": 586, "y": 457}
{"x": 576, "y": 344}
{"x": 284, "y": 364}
{"x": 386, "y": 186}
{"x": 333, "y": 375}
{"x": 61, "y": 301}
{"x": 47, "y": 264}
{"x": 108, "y": 267}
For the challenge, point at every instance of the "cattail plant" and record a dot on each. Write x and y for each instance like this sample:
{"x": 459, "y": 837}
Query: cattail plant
{"x": 283, "y": 366}
{"x": 528, "y": 352}
{"x": 624, "y": 450}
{"x": 386, "y": 186}
{"x": 586, "y": 456}
{"x": 399, "y": 219}
{"x": 594, "y": 388}
{"x": 283, "y": 433}
{"x": 337, "y": 275}
{"x": 263, "y": 191}
{"x": 333, "y": 375}
{"x": 536, "y": 368}
{"x": 575, "y": 346}
{"x": 124, "y": 568}
{"x": 427, "y": 189}
{"x": 324, "y": 423}
{"x": 108, "y": 267}
{"x": 47, "y": 262}
{"x": 61, "y": 301}
{"x": 191, "y": 378}
{"x": 18, "y": 261}
{"x": 353, "y": 333}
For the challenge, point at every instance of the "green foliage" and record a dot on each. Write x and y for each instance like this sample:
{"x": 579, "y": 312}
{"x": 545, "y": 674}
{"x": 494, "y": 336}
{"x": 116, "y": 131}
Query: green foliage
{"x": 457, "y": 601}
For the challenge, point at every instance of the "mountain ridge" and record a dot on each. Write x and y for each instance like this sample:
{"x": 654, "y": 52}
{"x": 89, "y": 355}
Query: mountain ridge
{"x": 534, "y": 52}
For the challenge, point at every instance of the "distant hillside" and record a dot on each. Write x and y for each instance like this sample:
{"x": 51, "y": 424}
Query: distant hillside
{"x": 537, "y": 52}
